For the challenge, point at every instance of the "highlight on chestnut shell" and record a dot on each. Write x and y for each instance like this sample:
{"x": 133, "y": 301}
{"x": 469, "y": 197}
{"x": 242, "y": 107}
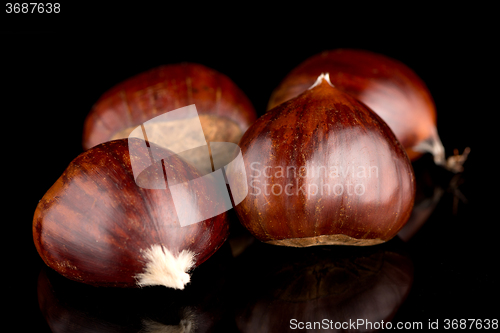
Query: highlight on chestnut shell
{"x": 390, "y": 88}
{"x": 224, "y": 110}
{"x": 322, "y": 168}
{"x": 97, "y": 226}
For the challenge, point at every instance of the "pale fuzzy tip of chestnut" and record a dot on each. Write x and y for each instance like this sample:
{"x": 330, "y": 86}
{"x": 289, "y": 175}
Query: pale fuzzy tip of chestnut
{"x": 165, "y": 269}
{"x": 323, "y": 76}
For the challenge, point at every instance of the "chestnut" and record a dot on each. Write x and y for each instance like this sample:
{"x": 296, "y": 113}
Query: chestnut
{"x": 224, "y": 110}
{"x": 322, "y": 168}
{"x": 98, "y": 225}
{"x": 390, "y": 88}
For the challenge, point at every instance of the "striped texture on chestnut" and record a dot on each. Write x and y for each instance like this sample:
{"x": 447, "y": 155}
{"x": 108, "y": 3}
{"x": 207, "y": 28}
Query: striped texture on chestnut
{"x": 96, "y": 225}
{"x": 332, "y": 137}
{"x": 225, "y": 111}
{"x": 387, "y": 86}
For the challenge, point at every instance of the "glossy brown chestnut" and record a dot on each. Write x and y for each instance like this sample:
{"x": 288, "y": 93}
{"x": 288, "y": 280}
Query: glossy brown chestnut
{"x": 386, "y": 85}
{"x": 98, "y": 226}
{"x": 224, "y": 110}
{"x": 322, "y": 168}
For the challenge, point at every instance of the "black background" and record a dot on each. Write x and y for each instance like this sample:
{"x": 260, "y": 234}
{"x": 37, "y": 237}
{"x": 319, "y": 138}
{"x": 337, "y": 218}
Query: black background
{"x": 55, "y": 67}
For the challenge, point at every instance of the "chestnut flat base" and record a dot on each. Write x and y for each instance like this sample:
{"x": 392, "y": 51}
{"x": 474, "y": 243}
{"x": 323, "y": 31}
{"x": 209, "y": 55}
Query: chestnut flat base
{"x": 338, "y": 239}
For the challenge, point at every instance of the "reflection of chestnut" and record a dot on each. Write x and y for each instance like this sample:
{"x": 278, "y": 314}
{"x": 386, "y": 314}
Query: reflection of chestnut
{"x": 224, "y": 111}
{"x": 433, "y": 184}
{"x": 69, "y": 306}
{"x": 96, "y": 225}
{"x": 307, "y": 285}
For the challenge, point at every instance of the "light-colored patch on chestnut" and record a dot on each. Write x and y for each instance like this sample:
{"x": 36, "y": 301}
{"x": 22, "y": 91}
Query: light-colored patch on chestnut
{"x": 215, "y": 129}
{"x": 338, "y": 239}
{"x": 321, "y": 77}
{"x": 165, "y": 269}
{"x": 434, "y": 146}
{"x": 211, "y": 125}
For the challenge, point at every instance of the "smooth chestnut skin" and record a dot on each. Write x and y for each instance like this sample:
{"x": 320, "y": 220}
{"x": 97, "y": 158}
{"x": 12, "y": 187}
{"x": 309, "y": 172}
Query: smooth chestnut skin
{"x": 324, "y": 129}
{"x": 95, "y": 222}
{"x": 387, "y": 86}
{"x": 225, "y": 111}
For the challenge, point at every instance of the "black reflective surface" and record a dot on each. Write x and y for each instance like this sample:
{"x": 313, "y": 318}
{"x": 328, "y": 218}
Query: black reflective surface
{"x": 260, "y": 290}
{"x": 204, "y": 306}
{"x": 442, "y": 266}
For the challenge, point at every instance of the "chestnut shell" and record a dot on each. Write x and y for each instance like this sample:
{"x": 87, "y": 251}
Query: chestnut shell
{"x": 390, "y": 88}
{"x": 95, "y": 222}
{"x": 324, "y": 129}
{"x": 224, "y": 110}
